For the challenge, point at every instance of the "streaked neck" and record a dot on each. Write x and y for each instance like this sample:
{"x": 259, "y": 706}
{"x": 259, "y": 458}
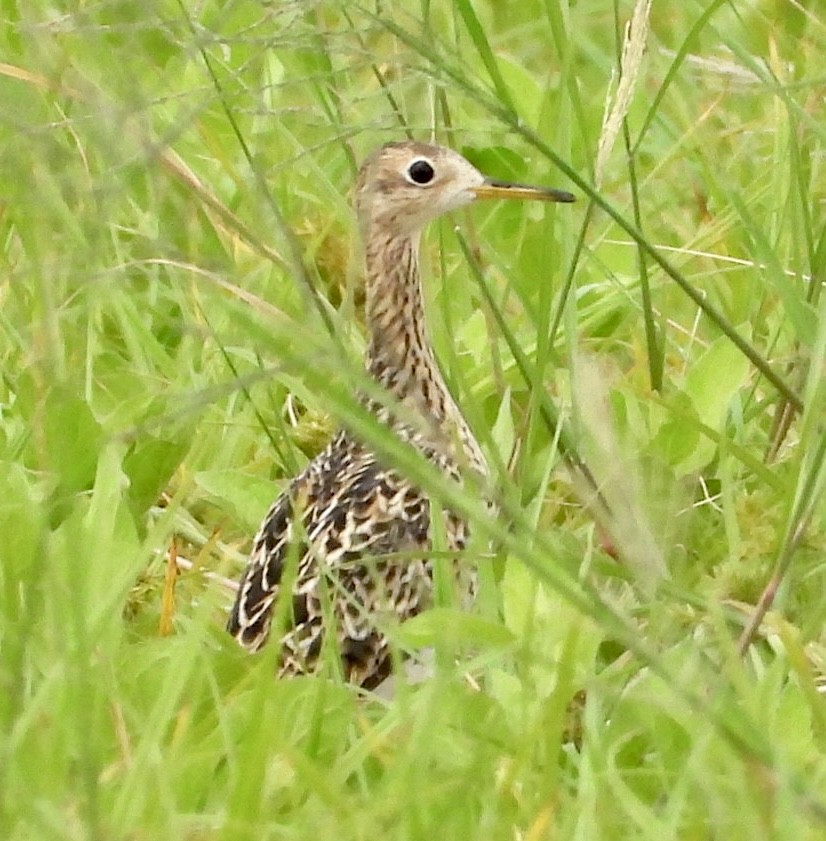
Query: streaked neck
{"x": 399, "y": 355}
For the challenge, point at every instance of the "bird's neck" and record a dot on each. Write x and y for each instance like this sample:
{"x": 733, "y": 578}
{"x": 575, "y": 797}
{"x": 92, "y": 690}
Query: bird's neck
{"x": 399, "y": 354}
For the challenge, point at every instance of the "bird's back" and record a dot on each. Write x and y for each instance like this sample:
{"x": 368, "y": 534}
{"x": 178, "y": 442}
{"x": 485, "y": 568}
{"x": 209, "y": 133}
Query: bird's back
{"x": 352, "y": 539}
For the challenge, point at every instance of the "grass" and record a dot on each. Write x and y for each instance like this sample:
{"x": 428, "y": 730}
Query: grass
{"x": 180, "y": 330}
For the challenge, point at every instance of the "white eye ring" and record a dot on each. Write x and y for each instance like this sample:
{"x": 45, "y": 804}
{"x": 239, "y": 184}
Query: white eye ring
{"x": 420, "y": 172}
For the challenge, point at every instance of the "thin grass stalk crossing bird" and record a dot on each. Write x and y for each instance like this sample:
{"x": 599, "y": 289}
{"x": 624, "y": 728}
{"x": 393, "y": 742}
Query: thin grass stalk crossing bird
{"x": 356, "y": 532}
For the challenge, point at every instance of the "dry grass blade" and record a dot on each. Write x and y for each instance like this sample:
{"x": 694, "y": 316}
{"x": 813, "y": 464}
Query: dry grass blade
{"x": 619, "y": 101}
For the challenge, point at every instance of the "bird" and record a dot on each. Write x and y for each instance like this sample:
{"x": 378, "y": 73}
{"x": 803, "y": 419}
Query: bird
{"x": 351, "y": 536}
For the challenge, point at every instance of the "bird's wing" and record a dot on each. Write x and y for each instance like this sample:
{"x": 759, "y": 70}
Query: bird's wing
{"x": 334, "y": 523}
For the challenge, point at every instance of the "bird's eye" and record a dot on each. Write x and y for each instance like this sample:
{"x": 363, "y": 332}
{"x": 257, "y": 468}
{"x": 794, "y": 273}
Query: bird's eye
{"x": 420, "y": 172}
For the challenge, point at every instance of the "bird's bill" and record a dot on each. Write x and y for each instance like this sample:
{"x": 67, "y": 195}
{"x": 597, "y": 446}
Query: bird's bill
{"x": 490, "y": 188}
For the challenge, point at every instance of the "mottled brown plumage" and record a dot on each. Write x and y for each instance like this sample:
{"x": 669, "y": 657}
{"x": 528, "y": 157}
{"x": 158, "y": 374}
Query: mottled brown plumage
{"x": 355, "y": 531}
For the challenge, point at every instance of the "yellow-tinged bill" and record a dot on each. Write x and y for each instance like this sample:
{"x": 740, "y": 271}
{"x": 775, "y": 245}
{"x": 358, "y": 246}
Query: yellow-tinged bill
{"x": 493, "y": 189}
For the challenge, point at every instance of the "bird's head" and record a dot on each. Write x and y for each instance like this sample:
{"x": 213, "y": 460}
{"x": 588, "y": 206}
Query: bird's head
{"x": 402, "y": 186}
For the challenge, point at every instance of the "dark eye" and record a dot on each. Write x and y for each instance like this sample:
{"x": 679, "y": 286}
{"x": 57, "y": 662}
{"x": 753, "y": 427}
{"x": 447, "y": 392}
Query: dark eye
{"x": 420, "y": 172}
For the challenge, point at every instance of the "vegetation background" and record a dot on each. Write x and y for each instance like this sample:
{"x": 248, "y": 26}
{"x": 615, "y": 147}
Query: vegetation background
{"x": 180, "y": 330}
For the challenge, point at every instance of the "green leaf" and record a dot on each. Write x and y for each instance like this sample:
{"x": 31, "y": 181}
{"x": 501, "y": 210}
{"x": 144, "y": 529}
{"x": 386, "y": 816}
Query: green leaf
{"x": 679, "y": 435}
{"x": 497, "y": 161}
{"x": 73, "y": 439}
{"x": 483, "y": 48}
{"x": 503, "y": 432}
{"x": 149, "y": 465}
{"x": 442, "y": 623}
{"x": 249, "y": 497}
{"x": 714, "y": 379}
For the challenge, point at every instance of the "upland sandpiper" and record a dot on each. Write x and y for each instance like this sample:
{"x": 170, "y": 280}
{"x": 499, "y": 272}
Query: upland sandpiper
{"x": 357, "y": 531}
